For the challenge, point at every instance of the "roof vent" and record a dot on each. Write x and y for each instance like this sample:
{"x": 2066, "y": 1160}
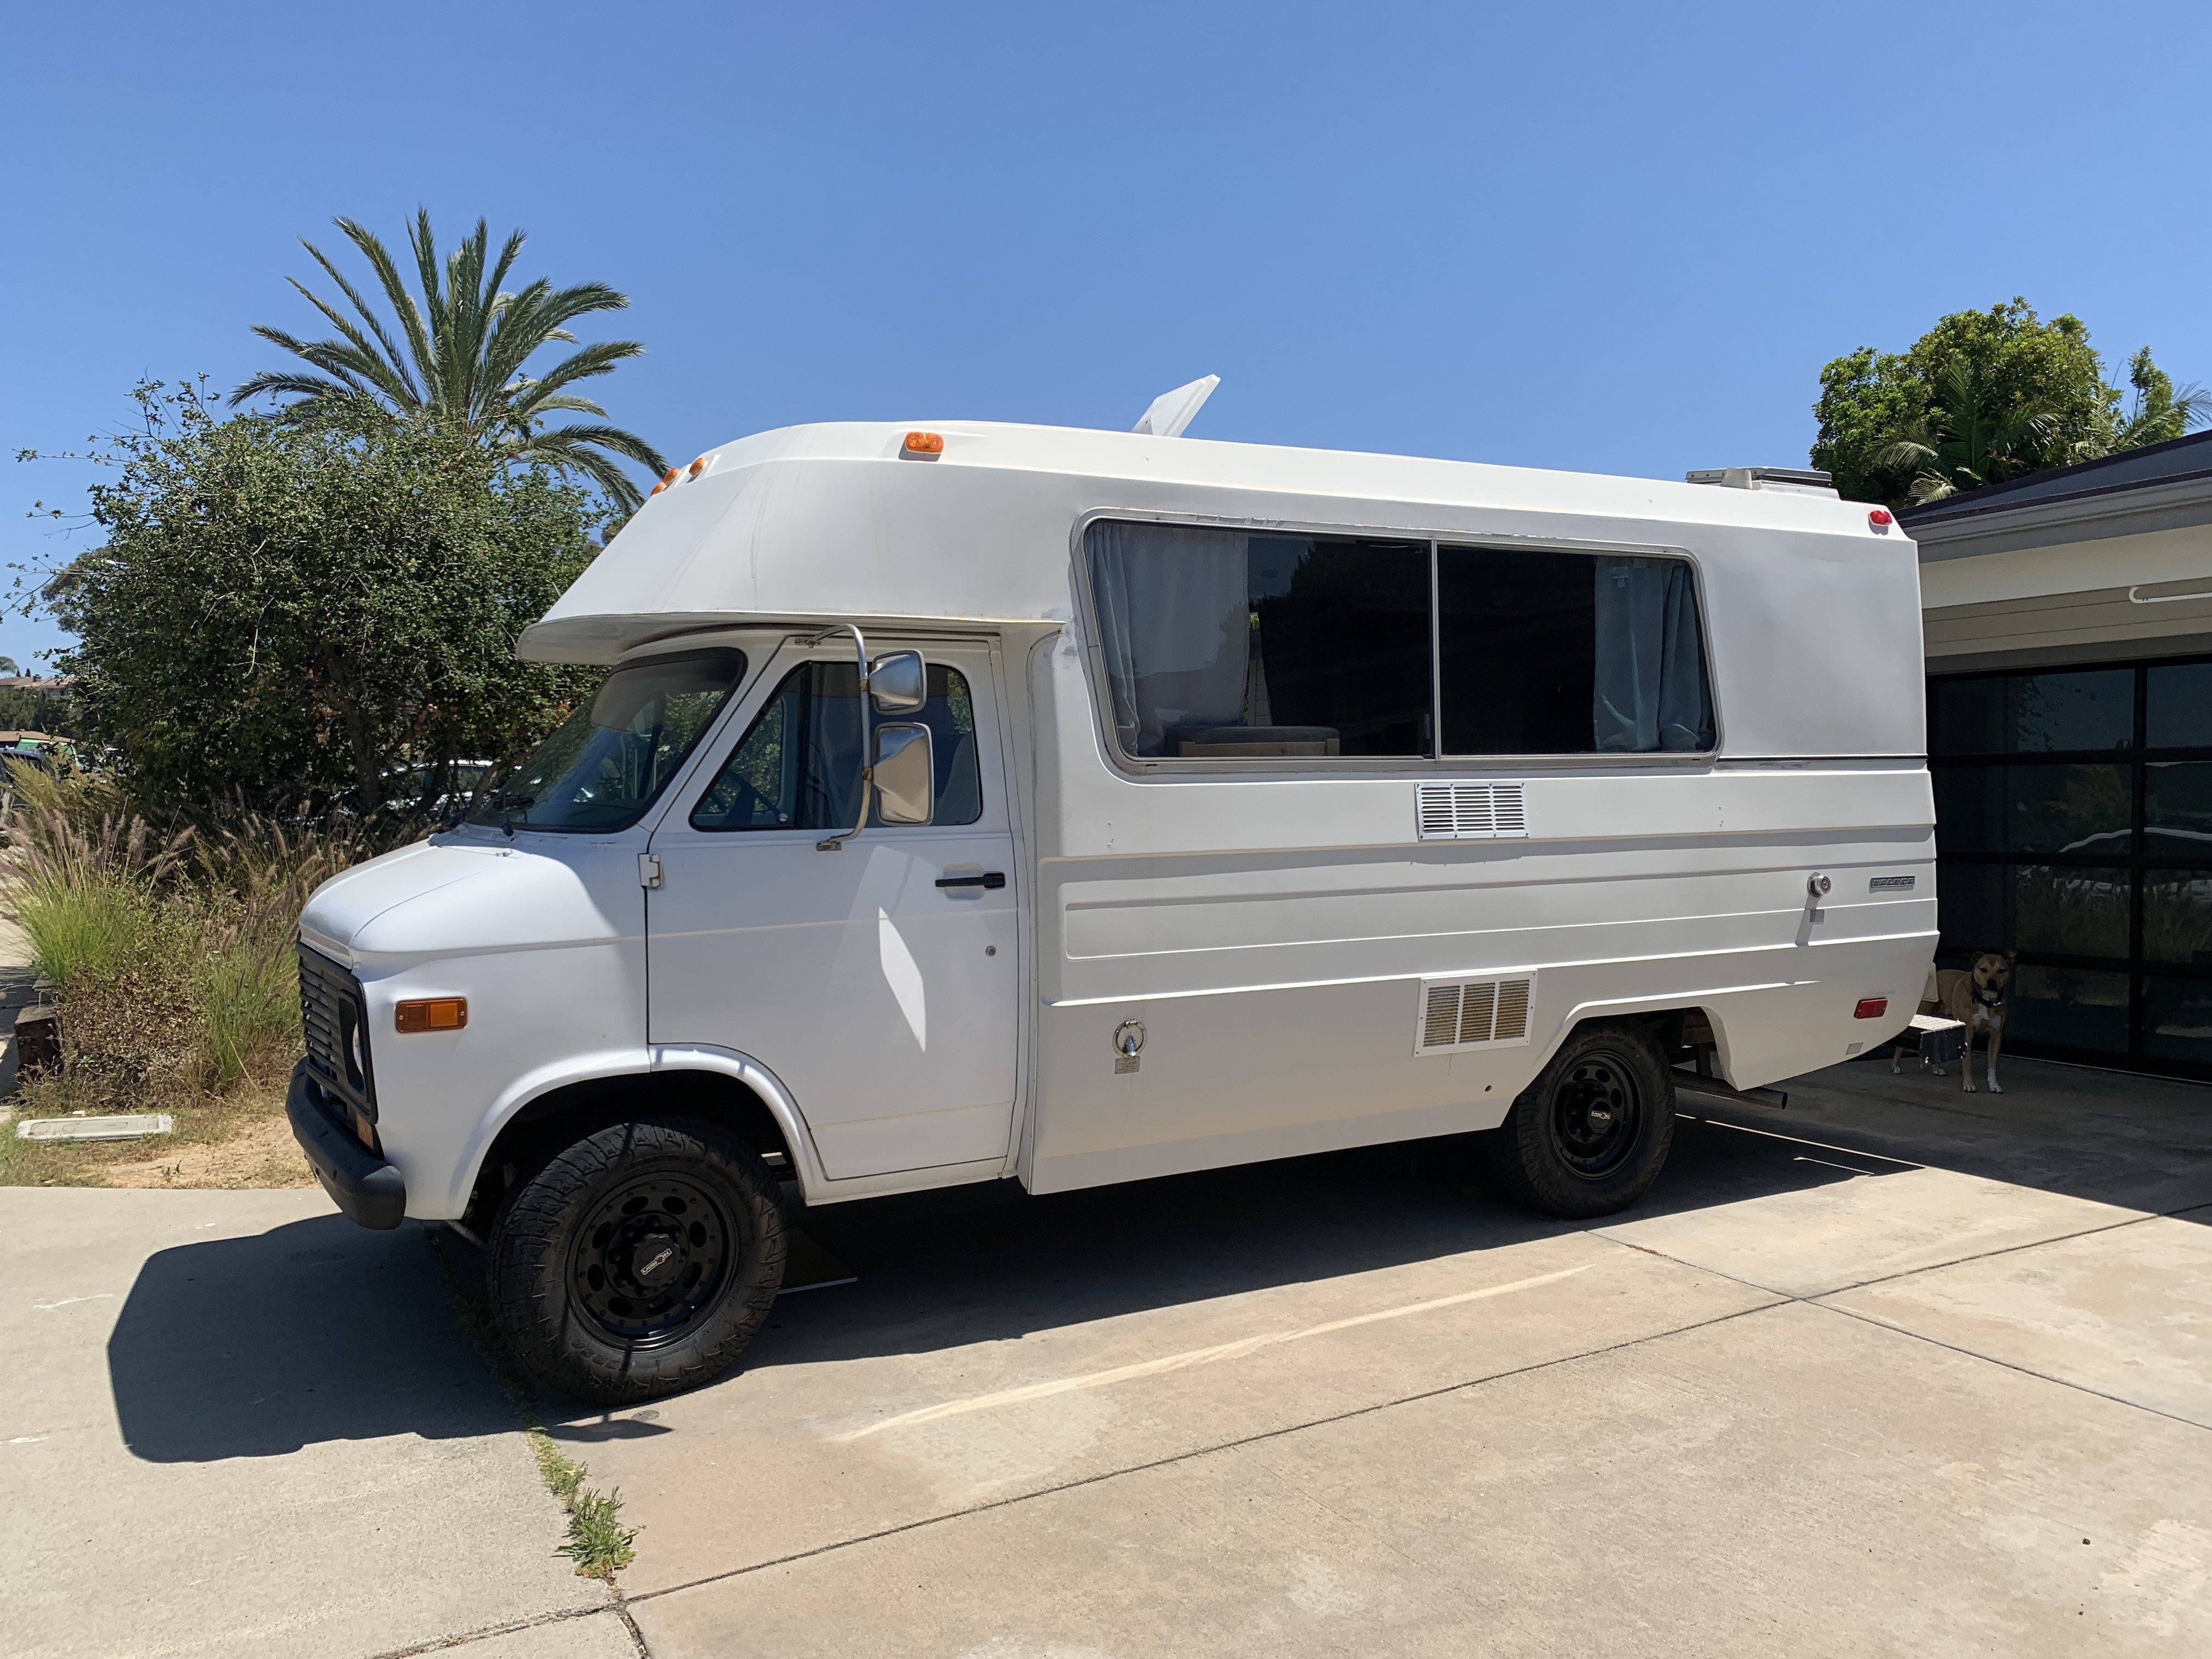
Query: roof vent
{"x": 1172, "y": 411}
{"x": 1790, "y": 480}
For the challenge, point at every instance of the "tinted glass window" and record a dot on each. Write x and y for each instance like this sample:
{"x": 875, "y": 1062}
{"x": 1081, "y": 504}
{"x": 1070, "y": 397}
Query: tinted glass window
{"x": 1222, "y": 644}
{"x": 2177, "y": 1019}
{"x": 2177, "y": 808}
{"x": 610, "y": 760}
{"x": 2033, "y": 714}
{"x": 2063, "y": 909}
{"x": 2178, "y": 916}
{"x": 2034, "y": 809}
{"x": 2179, "y": 711}
{"x": 1563, "y": 653}
{"x": 2068, "y": 1007}
{"x": 799, "y": 766}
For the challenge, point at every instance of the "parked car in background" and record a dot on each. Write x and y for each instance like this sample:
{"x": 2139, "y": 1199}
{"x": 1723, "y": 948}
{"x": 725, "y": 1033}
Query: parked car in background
{"x": 439, "y": 794}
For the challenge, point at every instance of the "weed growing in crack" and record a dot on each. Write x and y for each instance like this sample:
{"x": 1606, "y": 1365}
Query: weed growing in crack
{"x": 599, "y": 1543}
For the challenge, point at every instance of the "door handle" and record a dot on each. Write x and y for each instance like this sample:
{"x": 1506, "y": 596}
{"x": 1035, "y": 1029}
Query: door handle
{"x": 990, "y": 878}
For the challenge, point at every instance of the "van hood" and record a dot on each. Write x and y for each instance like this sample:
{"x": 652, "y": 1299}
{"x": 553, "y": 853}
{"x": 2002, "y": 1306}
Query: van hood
{"x": 449, "y": 897}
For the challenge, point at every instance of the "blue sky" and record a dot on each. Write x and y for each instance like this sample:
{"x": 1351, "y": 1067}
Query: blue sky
{"x": 1608, "y": 238}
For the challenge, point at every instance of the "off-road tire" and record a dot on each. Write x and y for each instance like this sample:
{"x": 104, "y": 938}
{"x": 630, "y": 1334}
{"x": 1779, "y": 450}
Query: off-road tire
{"x": 1546, "y": 1155}
{"x": 535, "y": 1247}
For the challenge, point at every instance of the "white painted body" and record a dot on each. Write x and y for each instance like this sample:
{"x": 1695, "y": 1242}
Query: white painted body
{"x": 1268, "y": 923}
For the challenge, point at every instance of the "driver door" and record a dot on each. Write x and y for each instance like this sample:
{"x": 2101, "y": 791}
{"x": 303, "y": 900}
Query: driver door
{"x": 878, "y": 982}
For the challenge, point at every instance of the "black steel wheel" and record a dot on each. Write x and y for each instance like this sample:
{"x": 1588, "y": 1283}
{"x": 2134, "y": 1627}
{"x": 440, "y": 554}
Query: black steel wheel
{"x": 1591, "y": 1134}
{"x": 1596, "y": 1114}
{"x": 650, "y": 1260}
{"x": 638, "y": 1260}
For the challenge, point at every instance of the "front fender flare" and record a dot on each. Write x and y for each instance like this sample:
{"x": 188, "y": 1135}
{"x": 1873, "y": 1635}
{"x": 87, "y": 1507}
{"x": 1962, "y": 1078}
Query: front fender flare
{"x": 805, "y": 1160}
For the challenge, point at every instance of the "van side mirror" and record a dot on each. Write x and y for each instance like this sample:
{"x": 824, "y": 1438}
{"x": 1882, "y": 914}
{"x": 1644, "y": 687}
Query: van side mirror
{"x": 905, "y": 774}
{"x": 898, "y": 683}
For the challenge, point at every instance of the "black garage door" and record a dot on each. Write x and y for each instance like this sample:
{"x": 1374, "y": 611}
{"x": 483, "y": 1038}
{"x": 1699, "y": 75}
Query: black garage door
{"x": 2073, "y": 824}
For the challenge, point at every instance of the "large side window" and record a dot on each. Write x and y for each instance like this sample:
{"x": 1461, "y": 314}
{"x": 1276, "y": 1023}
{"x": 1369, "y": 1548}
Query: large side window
{"x": 1225, "y": 643}
{"x": 798, "y": 765}
{"x": 1228, "y": 643}
{"x": 1543, "y": 653}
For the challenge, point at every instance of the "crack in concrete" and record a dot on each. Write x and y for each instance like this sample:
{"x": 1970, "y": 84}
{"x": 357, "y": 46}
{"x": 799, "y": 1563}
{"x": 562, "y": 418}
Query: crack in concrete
{"x": 558, "y": 1616}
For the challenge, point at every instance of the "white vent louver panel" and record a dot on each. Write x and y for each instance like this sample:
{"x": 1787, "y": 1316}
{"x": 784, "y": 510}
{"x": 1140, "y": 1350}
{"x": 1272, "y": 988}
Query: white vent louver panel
{"x": 1471, "y": 1013}
{"x": 1470, "y": 811}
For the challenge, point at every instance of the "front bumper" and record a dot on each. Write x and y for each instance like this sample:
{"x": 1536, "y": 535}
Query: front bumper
{"x": 364, "y": 1186}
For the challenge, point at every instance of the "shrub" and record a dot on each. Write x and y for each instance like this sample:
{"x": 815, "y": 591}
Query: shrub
{"x": 170, "y": 951}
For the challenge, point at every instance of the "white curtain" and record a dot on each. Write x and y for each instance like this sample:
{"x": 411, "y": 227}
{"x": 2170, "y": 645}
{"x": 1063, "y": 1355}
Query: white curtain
{"x": 1174, "y": 618}
{"x": 1651, "y": 694}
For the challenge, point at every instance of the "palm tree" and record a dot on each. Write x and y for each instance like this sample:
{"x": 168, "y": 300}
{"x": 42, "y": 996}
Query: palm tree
{"x": 1963, "y": 440}
{"x": 465, "y": 344}
{"x": 2162, "y": 409}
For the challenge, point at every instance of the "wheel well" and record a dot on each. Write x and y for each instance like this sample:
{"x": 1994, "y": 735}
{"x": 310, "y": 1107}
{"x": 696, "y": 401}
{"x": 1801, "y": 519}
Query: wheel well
{"x": 1681, "y": 1033}
{"x": 1684, "y": 1034}
{"x": 568, "y": 1114}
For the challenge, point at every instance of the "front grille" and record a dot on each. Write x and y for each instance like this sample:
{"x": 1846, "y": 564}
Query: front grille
{"x": 333, "y": 1018}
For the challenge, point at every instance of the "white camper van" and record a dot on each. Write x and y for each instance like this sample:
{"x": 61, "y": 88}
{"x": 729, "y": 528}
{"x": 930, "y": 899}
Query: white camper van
{"x": 1001, "y": 802}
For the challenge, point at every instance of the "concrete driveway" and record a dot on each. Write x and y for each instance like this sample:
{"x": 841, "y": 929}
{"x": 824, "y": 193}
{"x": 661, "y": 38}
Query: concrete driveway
{"x": 235, "y": 1423}
{"x": 1896, "y": 1371}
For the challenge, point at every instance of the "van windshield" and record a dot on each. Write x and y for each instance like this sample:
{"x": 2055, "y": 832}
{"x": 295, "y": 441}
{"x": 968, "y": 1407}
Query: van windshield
{"x": 611, "y": 758}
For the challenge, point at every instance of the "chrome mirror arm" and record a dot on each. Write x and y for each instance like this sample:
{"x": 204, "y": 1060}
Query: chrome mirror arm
{"x": 867, "y": 771}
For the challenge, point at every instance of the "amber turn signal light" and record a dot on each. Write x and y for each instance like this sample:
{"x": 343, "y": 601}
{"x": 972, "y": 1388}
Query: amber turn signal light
{"x": 925, "y": 443}
{"x": 432, "y": 1014}
{"x": 1868, "y": 1008}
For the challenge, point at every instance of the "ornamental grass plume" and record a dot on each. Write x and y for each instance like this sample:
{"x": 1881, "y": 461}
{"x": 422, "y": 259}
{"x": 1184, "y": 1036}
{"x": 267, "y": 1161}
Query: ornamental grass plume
{"x": 169, "y": 952}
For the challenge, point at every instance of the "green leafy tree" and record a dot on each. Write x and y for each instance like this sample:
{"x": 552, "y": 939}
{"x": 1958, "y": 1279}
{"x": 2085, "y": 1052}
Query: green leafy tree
{"x": 458, "y": 354}
{"x": 1983, "y": 397}
{"x": 286, "y": 613}
{"x": 2161, "y": 411}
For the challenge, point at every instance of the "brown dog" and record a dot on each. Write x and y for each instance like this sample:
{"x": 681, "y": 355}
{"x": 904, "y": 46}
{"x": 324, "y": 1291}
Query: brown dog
{"x": 1975, "y": 999}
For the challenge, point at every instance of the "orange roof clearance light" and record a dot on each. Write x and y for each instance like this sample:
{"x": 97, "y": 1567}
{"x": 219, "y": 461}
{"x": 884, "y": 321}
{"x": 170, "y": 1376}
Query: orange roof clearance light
{"x": 698, "y": 466}
{"x": 432, "y": 1014}
{"x": 925, "y": 443}
{"x": 668, "y": 478}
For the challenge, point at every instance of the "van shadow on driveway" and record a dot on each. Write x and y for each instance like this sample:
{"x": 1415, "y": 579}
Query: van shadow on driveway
{"x": 980, "y": 1264}
{"x": 321, "y": 1331}
{"x": 318, "y": 1330}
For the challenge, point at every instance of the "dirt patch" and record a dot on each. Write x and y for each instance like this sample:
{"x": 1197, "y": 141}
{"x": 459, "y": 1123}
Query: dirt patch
{"x": 240, "y": 1140}
{"x": 261, "y": 1154}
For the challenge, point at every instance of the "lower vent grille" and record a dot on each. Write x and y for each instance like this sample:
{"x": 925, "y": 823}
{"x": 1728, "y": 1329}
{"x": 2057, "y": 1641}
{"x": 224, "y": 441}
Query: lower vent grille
{"x": 1468, "y": 1013}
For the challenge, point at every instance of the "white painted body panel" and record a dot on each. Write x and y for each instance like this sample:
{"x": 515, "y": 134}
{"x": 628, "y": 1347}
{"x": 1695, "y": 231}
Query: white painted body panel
{"x": 865, "y": 987}
{"x": 1269, "y": 924}
{"x": 544, "y": 934}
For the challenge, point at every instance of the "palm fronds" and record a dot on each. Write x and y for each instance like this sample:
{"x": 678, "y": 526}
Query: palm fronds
{"x": 457, "y": 354}
{"x": 1967, "y": 437}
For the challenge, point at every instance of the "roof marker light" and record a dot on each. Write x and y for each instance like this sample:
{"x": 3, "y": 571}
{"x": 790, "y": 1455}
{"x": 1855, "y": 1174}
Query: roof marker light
{"x": 925, "y": 443}
{"x": 1880, "y": 521}
{"x": 698, "y": 466}
{"x": 667, "y": 478}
